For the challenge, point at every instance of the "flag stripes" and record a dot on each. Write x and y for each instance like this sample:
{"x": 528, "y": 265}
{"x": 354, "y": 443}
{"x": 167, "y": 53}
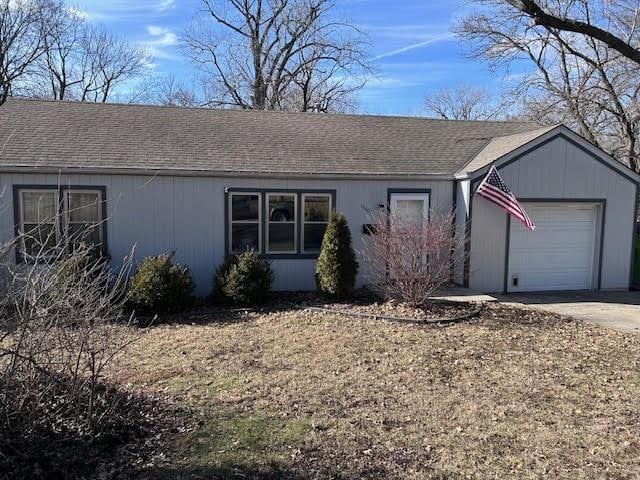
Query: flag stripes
{"x": 494, "y": 190}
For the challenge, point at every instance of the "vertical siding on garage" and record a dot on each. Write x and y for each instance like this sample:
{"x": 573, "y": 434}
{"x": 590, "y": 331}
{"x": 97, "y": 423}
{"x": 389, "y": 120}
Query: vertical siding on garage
{"x": 488, "y": 242}
{"x": 186, "y": 214}
{"x": 556, "y": 170}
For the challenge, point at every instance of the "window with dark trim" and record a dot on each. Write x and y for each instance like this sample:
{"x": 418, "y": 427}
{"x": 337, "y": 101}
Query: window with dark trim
{"x": 317, "y": 209}
{"x": 277, "y": 223}
{"x": 47, "y": 217}
{"x": 39, "y": 228}
{"x": 281, "y": 231}
{"x": 244, "y": 215}
{"x": 83, "y": 216}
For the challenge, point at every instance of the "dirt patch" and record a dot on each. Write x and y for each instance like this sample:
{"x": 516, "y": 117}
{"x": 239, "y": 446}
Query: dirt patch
{"x": 289, "y": 394}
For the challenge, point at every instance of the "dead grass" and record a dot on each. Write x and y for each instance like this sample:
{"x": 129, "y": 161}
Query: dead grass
{"x": 513, "y": 394}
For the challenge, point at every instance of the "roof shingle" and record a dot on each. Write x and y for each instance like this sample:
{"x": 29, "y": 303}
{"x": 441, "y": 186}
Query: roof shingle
{"x": 61, "y": 135}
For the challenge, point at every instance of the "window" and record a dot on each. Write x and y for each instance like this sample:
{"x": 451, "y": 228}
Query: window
{"x": 48, "y": 215}
{"x": 277, "y": 223}
{"x": 410, "y": 206}
{"x": 38, "y": 224}
{"x": 83, "y": 216}
{"x": 317, "y": 208}
{"x": 281, "y": 223}
{"x": 245, "y": 216}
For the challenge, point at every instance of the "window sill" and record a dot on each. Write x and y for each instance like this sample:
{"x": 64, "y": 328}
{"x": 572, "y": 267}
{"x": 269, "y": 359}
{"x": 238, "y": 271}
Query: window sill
{"x": 290, "y": 256}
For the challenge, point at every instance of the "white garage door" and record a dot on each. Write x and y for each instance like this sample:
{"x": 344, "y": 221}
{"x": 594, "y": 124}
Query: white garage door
{"x": 559, "y": 254}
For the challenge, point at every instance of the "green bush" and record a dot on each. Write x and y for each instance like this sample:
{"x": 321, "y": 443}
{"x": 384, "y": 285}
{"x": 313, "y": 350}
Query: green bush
{"x": 160, "y": 286}
{"x": 337, "y": 266}
{"x": 245, "y": 279}
{"x": 220, "y": 278}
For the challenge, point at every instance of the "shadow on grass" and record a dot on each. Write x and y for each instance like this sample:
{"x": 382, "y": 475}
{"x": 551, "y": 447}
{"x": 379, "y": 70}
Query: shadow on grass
{"x": 47, "y": 434}
{"x": 214, "y": 314}
{"x": 273, "y": 472}
{"x": 225, "y": 471}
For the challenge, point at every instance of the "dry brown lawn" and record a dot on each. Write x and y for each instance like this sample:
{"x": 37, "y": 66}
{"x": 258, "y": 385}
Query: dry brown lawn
{"x": 512, "y": 394}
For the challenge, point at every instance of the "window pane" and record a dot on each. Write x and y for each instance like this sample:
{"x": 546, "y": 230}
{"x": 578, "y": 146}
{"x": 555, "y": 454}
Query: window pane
{"x": 410, "y": 210}
{"x": 282, "y": 237}
{"x": 313, "y": 234}
{"x": 39, "y": 237}
{"x": 244, "y": 236}
{"x": 316, "y": 208}
{"x": 244, "y": 207}
{"x": 87, "y": 233}
{"x": 83, "y": 207}
{"x": 282, "y": 208}
{"x": 39, "y": 206}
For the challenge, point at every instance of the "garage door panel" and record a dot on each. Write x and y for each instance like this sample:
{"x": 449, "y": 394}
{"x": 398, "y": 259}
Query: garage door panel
{"x": 543, "y": 262}
{"x": 559, "y": 254}
{"x": 569, "y": 239}
{"x": 556, "y": 281}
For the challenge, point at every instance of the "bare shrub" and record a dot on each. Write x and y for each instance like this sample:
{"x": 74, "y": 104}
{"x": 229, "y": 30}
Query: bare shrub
{"x": 408, "y": 259}
{"x": 62, "y": 322}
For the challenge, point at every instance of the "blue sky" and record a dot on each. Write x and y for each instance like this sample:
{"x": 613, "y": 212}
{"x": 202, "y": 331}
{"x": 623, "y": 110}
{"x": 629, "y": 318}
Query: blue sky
{"x": 412, "y": 47}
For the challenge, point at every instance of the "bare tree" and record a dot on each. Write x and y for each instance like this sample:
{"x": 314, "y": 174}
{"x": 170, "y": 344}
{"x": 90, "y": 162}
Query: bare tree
{"x": 619, "y": 21}
{"x": 577, "y": 80}
{"x": 464, "y": 103}
{"x": 277, "y": 54}
{"x": 80, "y": 61}
{"x": 168, "y": 90}
{"x": 62, "y": 321}
{"x": 109, "y": 61}
{"x": 22, "y": 24}
{"x": 409, "y": 259}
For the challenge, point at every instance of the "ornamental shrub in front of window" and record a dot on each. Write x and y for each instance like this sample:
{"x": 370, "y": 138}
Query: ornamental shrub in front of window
{"x": 337, "y": 266}
{"x": 245, "y": 279}
{"x": 161, "y": 286}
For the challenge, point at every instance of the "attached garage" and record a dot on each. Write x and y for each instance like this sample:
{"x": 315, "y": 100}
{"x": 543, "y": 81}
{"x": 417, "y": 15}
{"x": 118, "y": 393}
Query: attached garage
{"x": 583, "y": 204}
{"x": 560, "y": 254}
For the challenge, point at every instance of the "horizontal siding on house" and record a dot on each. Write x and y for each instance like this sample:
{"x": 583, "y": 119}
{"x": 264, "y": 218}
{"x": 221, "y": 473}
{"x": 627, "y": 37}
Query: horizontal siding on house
{"x": 186, "y": 214}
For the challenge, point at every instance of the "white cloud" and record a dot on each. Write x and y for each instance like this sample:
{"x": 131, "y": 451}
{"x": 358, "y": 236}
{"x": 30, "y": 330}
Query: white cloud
{"x": 166, "y": 4}
{"x": 416, "y": 32}
{"x": 156, "y": 31}
{"x": 124, "y": 10}
{"x": 413, "y": 46}
{"x": 161, "y": 42}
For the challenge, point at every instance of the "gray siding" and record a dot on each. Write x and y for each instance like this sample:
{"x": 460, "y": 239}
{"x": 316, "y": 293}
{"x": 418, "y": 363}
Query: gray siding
{"x": 555, "y": 170}
{"x": 186, "y": 214}
{"x": 462, "y": 215}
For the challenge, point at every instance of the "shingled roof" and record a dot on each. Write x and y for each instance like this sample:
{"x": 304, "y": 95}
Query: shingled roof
{"x": 37, "y": 134}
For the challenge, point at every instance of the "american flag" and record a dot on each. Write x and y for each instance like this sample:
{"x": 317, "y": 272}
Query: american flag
{"x": 493, "y": 189}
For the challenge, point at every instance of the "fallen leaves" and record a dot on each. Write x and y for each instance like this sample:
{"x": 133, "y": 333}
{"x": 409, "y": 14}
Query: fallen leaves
{"x": 511, "y": 394}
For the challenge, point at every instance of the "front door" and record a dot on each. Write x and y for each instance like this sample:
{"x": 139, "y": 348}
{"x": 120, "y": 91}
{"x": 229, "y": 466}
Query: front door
{"x": 410, "y": 206}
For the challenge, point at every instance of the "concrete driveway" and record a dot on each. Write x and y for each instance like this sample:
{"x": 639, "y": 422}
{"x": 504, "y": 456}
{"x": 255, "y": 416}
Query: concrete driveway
{"x": 619, "y": 310}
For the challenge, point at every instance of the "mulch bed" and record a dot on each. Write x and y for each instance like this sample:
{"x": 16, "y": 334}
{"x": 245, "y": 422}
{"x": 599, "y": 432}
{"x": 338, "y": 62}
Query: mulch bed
{"x": 363, "y": 303}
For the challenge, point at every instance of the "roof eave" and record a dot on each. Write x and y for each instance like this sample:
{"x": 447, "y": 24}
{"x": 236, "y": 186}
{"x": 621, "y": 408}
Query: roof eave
{"x": 229, "y": 174}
